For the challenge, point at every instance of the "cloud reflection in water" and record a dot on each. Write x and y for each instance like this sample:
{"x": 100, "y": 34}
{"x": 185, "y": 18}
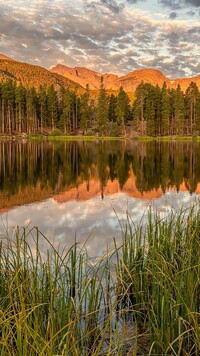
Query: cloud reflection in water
{"x": 96, "y": 220}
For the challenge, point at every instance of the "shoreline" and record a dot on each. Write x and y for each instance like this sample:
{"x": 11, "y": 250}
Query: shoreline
{"x": 44, "y": 137}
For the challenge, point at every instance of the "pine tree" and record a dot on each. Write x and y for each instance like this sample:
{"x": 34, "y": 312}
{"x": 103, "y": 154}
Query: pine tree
{"x": 179, "y": 111}
{"x": 197, "y": 118}
{"x": 65, "y": 114}
{"x": 8, "y": 100}
{"x": 74, "y": 111}
{"x": 2, "y": 110}
{"x": 52, "y": 107}
{"x": 165, "y": 111}
{"x": 139, "y": 107}
{"x": 20, "y": 100}
{"x": 31, "y": 110}
{"x": 112, "y": 108}
{"x": 122, "y": 109}
{"x": 85, "y": 111}
{"x": 192, "y": 95}
{"x": 102, "y": 111}
{"x": 149, "y": 112}
{"x": 42, "y": 103}
{"x": 157, "y": 105}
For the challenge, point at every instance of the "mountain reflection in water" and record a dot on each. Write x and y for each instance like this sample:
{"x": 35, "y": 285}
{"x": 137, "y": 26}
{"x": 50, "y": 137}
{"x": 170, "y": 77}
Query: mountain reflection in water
{"x": 78, "y": 188}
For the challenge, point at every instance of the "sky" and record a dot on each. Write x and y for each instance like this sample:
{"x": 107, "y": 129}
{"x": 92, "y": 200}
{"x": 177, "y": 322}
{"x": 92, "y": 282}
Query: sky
{"x": 104, "y": 35}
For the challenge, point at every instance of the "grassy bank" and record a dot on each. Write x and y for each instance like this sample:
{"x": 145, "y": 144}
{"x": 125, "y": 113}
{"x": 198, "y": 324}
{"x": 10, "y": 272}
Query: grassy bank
{"x": 60, "y": 137}
{"x": 95, "y": 138}
{"x": 72, "y": 138}
{"x": 169, "y": 138}
{"x": 140, "y": 299}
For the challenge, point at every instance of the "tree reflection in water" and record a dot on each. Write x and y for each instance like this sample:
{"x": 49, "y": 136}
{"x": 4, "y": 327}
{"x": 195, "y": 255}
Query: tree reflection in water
{"x": 77, "y": 185}
{"x": 34, "y": 171}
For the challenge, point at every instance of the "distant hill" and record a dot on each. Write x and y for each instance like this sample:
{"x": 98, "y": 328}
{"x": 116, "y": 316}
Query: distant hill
{"x": 151, "y": 76}
{"x": 84, "y": 76}
{"x": 185, "y": 82}
{"x": 2, "y": 56}
{"x": 31, "y": 75}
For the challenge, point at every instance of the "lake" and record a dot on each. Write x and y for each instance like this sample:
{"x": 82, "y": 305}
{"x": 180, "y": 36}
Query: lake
{"x": 86, "y": 189}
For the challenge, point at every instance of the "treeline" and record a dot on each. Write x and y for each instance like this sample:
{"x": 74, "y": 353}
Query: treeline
{"x": 162, "y": 111}
{"x": 27, "y": 110}
{"x": 155, "y": 111}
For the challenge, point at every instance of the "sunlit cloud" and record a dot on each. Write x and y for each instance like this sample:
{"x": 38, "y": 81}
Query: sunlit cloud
{"x": 105, "y": 35}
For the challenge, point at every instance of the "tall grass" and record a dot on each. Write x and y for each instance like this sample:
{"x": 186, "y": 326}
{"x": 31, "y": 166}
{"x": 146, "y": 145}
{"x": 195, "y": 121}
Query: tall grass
{"x": 161, "y": 282}
{"x": 140, "y": 299}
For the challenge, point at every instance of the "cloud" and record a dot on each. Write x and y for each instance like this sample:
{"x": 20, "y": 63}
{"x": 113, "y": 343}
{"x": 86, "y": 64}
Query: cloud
{"x": 172, "y": 4}
{"x": 112, "y": 5}
{"x": 134, "y": 1}
{"x": 178, "y": 4}
{"x": 172, "y": 15}
{"x": 195, "y": 3}
{"x": 98, "y": 221}
{"x": 190, "y": 13}
{"x": 100, "y": 35}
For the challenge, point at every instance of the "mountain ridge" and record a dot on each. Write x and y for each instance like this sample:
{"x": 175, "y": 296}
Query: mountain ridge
{"x": 129, "y": 82}
{"x": 79, "y": 77}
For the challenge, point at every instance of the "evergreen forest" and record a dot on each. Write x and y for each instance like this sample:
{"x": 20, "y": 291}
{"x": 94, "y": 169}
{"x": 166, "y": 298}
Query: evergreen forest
{"x": 154, "y": 111}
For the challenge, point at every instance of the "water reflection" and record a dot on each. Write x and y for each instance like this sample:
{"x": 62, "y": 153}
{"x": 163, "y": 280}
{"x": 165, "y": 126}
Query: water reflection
{"x": 78, "y": 188}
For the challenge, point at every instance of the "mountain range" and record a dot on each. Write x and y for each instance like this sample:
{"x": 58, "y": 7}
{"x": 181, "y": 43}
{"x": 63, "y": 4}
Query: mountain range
{"x": 129, "y": 82}
{"x": 78, "y": 77}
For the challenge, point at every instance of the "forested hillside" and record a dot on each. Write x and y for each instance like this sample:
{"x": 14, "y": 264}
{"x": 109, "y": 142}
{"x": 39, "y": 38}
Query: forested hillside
{"x": 155, "y": 111}
{"x": 32, "y": 76}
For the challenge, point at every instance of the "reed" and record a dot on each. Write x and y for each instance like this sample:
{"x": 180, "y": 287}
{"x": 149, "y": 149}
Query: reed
{"x": 142, "y": 298}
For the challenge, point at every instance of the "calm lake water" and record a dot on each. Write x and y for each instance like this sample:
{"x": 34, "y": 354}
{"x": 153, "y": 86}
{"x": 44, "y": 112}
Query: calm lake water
{"x": 85, "y": 189}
